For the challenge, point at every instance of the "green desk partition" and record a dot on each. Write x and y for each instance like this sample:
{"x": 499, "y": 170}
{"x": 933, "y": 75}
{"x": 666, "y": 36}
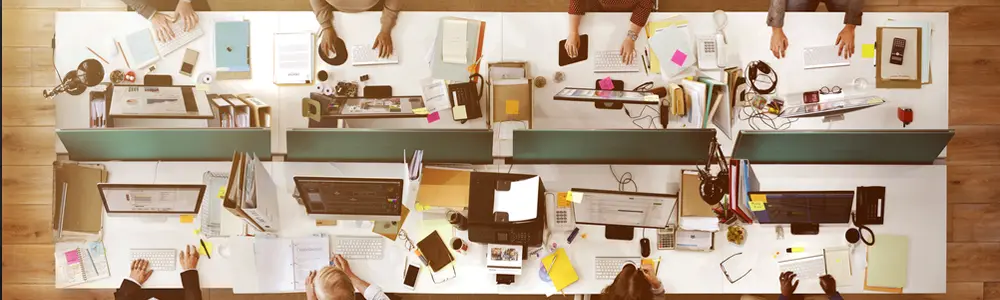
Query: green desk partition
{"x": 189, "y": 144}
{"x": 464, "y": 146}
{"x": 648, "y": 147}
{"x": 842, "y": 146}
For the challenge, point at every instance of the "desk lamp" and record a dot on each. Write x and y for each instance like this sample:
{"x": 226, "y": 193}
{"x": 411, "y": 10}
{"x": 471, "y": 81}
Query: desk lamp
{"x": 89, "y": 73}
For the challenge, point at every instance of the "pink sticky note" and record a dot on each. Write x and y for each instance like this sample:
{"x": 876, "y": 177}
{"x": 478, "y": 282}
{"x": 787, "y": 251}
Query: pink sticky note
{"x": 431, "y": 118}
{"x": 679, "y": 58}
{"x": 607, "y": 84}
{"x": 72, "y": 257}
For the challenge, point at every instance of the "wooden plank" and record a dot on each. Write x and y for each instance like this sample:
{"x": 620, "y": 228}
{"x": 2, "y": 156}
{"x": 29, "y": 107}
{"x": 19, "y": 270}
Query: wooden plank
{"x": 26, "y": 107}
{"x": 973, "y": 184}
{"x": 976, "y": 222}
{"x": 973, "y": 104}
{"x": 16, "y": 66}
{"x": 991, "y": 291}
{"x": 27, "y": 224}
{"x": 950, "y": 221}
{"x": 28, "y": 264}
{"x": 898, "y": 8}
{"x": 950, "y": 2}
{"x": 956, "y": 291}
{"x": 974, "y": 65}
{"x": 975, "y": 145}
{"x": 43, "y": 73}
{"x": 712, "y": 5}
{"x": 227, "y": 294}
{"x": 44, "y": 291}
{"x": 29, "y": 146}
{"x": 27, "y": 185}
{"x": 974, "y": 25}
{"x": 973, "y": 262}
{"x": 13, "y": 4}
{"x": 28, "y": 28}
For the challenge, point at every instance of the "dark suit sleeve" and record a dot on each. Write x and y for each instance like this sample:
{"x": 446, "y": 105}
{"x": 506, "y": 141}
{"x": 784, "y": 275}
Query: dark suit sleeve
{"x": 192, "y": 287}
{"x": 128, "y": 291}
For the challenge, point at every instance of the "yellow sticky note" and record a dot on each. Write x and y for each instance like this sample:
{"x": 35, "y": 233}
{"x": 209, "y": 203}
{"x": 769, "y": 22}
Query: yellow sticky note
{"x": 651, "y": 98}
{"x": 222, "y": 192}
{"x": 757, "y": 206}
{"x": 187, "y": 219}
{"x": 758, "y": 198}
{"x": 513, "y": 107}
{"x": 420, "y": 111}
{"x": 867, "y": 50}
{"x": 562, "y": 199}
{"x": 422, "y": 207}
{"x": 575, "y": 197}
{"x": 197, "y": 231}
{"x": 459, "y": 112}
{"x": 208, "y": 245}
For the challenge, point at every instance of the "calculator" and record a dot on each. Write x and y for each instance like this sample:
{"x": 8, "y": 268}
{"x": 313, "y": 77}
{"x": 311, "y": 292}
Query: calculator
{"x": 896, "y": 57}
{"x": 666, "y": 238}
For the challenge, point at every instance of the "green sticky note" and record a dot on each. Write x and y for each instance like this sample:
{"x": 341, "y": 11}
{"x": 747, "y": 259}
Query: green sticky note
{"x": 868, "y": 50}
{"x": 757, "y": 206}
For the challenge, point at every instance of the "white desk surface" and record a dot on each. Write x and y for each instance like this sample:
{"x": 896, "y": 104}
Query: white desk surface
{"x": 516, "y": 36}
{"x": 915, "y": 199}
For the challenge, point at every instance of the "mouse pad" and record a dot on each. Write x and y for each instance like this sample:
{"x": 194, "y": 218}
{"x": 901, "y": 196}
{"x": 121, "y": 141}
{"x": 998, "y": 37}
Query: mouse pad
{"x": 564, "y": 58}
{"x": 378, "y": 91}
{"x": 340, "y": 48}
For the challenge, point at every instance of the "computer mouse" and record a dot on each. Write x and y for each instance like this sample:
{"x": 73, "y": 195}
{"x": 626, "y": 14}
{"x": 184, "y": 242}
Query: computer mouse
{"x": 644, "y": 247}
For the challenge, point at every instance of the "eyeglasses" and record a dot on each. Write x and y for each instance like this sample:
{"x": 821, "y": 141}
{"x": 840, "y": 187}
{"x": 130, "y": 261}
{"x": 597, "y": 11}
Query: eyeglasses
{"x": 827, "y": 90}
{"x": 722, "y": 265}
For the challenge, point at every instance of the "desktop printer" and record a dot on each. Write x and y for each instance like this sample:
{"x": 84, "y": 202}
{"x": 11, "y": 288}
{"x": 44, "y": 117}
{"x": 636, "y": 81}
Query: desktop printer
{"x": 485, "y": 226}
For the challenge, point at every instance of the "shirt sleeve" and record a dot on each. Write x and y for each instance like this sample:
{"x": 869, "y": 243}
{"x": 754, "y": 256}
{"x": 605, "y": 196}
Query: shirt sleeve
{"x": 324, "y": 13}
{"x": 641, "y": 12}
{"x": 389, "y": 13}
{"x": 659, "y": 293}
{"x": 855, "y": 9}
{"x": 374, "y": 292}
{"x": 836, "y": 297}
{"x": 776, "y": 14}
{"x": 133, "y": 281}
{"x": 577, "y": 7}
{"x": 140, "y": 7}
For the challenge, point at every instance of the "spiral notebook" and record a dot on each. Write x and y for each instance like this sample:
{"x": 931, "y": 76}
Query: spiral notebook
{"x": 81, "y": 264}
{"x": 283, "y": 264}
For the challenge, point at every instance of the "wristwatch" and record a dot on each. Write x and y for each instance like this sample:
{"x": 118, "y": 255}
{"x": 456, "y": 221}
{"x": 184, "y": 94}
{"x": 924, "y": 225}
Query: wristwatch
{"x": 632, "y": 35}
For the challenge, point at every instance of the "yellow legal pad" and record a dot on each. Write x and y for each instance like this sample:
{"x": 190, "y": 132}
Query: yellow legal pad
{"x": 562, "y": 273}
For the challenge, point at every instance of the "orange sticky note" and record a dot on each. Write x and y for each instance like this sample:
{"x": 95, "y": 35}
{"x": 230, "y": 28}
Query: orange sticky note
{"x": 187, "y": 219}
{"x": 513, "y": 107}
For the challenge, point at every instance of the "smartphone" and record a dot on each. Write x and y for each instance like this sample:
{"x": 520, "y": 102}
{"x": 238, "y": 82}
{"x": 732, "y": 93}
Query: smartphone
{"x": 410, "y": 275}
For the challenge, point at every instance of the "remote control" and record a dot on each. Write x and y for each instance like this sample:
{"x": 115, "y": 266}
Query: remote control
{"x": 896, "y": 57}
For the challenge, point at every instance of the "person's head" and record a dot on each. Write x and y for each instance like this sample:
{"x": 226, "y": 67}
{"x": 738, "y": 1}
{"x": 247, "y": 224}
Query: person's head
{"x": 332, "y": 283}
{"x": 631, "y": 284}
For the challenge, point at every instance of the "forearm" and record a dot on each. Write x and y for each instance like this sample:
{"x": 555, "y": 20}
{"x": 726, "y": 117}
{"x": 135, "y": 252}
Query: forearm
{"x": 776, "y": 14}
{"x": 574, "y": 24}
{"x": 324, "y": 13}
{"x": 835, "y": 296}
{"x": 390, "y": 12}
{"x": 634, "y": 28}
{"x": 641, "y": 12}
{"x": 855, "y": 9}
{"x": 359, "y": 285}
{"x": 140, "y": 7}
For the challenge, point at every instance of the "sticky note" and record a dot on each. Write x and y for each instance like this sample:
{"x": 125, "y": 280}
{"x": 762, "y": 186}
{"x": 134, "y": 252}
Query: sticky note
{"x": 207, "y": 245}
{"x": 758, "y": 198}
{"x": 867, "y": 50}
{"x": 513, "y": 107}
{"x": 562, "y": 200}
{"x": 679, "y": 58}
{"x": 651, "y": 98}
{"x": 607, "y": 84}
{"x": 575, "y": 197}
{"x": 197, "y": 231}
{"x": 72, "y": 257}
{"x": 420, "y": 111}
{"x": 757, "y": 206}
{"x": 222, "y": 192}
{"x": 434, "y": 117}
{"x": 459, "y": 112}
{"x": 187, "y": 219}
{"x": 422, "y": 207}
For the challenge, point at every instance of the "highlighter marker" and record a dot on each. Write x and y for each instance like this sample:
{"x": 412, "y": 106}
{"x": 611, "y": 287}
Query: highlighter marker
{"x": 795, "y": 250}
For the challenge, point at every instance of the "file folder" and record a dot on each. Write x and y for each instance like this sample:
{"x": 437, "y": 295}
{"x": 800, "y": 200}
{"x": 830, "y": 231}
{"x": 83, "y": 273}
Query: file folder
{"x": 260, "y": 112}
{"x": 458, "y": 72}
{"x": 232, "y": 50}
{"x": 241, "y": 111}
{"x": 222, "y": 110}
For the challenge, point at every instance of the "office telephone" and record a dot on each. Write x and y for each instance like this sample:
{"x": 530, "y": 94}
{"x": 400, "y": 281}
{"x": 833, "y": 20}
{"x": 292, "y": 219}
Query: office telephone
{"x": 560, "y": 217}
{"x": 465, "y": 98}
{"x": 712, "y": 51}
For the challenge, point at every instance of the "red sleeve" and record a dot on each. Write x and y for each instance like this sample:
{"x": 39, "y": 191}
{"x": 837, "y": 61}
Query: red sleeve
{"x": 577, "y": 7}
{"x": 641, "y": 12}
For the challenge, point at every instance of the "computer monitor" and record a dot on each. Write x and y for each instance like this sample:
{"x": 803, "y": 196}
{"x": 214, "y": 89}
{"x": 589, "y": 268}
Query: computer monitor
{"x": 621, "y": 212}
{"x": 804, "y": 207}
{"x": 151, "y": 199}
{"x": 830, "y": 108}
{"x": 366, "y": 199}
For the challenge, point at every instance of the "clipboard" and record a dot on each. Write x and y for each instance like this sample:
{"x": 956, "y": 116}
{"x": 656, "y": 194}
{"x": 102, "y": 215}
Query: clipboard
{"x": 912, "y": 55}
{"x": 512, "y": 102}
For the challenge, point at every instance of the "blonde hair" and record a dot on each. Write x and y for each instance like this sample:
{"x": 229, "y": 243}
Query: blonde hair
{"x": 332, "y": 283}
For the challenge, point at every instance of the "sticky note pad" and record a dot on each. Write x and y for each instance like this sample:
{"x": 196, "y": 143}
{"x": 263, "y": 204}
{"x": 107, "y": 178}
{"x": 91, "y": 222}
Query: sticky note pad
{"x": 513, "y": 107}
{"x": 562, "y": 200}
{"x": 434, "y": 117}
{"x": 758, "y": 198}
{"x": 867, "y": 50}
{"x": 187, "y": 219}
{"x": 72, "y": 257}
{"x": 420, "y": 111}
{"x": 757, "y": 206}
{"x": 207, "y": 245}
{"x": 459, "y": 112}
{"x": 679, "y": 57}
{"x": 575, "y": 197}
{"x": 222, "y": 192}
{"x": 607, "y": 84}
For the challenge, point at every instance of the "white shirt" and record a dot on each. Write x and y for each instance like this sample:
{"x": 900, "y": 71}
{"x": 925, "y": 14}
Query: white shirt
{"x": 374, "y": 292}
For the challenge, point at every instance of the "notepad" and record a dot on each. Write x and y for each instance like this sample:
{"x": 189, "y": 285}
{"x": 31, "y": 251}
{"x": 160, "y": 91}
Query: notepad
{"x": 888, "y": 261}
{"x": 454, "y": 45}
{"x": 561, "y": 272}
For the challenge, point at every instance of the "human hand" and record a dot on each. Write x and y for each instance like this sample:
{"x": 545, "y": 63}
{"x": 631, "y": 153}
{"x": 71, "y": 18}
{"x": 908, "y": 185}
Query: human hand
{"x": 627, "y": 51}
{"x": 650, "y": 274}
{"x": 310, "y": 287}
{"x": 384, "y": 44}
{"x": 186, "y": 12}
{"x": 341, "y": 262}
{"x": 779, "y": 42}
{"x": 828, "y": 284}
{"x": 787, "y": 285}
{"x": 572, "y": 44}
{"x": 140, "y": 271}
{"x": 189, "y": 258}
{"x": 161, "y": 24}
{"x": 845, "y": 41}
{"x": 328, "y": 39}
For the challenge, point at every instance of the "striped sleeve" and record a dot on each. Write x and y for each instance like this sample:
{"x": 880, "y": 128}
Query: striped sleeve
{"x": 641, "y": 12}
{"x": 577, "y": 7}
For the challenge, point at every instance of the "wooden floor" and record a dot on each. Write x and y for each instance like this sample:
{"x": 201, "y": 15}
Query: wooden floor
{"x": 974, "y": 154}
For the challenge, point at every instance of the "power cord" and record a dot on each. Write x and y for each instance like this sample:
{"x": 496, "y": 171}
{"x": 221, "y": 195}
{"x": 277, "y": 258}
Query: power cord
{"x": 754, "y": 116}
{"x": 644, "y": 87}
{"x": 625, "y": 179}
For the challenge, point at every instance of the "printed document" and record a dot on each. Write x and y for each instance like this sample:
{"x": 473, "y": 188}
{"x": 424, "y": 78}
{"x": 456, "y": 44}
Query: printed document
{"x": 520, "y": 202}
{"x": 455, "y": 43}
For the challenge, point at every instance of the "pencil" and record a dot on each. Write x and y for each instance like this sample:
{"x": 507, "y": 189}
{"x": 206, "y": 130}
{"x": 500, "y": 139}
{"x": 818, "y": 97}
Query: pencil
{"x": 98, "y": 56}
{"x": 658, "y": 259}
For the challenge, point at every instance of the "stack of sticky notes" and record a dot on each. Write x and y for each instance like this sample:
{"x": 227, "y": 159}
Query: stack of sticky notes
{"x": 560, "y": 269}
{"x": 887, "y": 264}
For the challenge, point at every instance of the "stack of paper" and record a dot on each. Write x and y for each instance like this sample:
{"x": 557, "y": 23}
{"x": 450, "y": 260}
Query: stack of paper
{"x": 520, "y": 202}
{"x": 887, "y": 264}
{"x": 284, "y": 264}
{"x": 77, "y": 207}
{"x": 454, "y": 44}
{"x": 696, "y": 214}
{"x": 652, "y": 28}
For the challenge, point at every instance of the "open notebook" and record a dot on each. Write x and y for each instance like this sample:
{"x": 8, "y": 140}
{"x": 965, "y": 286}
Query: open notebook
{"x": 283, "y": 264}
{"x": 80, "y": 264}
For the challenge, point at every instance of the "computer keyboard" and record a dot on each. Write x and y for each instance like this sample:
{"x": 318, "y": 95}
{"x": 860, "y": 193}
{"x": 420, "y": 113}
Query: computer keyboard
{"x": 607, "y": 268}
{"x": 353, "y": 247}
{"x": 610, "y": 61}
{"x": 180, "y": 39}
{"x": 159, "y": 259}
{"x": 365, "y": 55}
{"x": 811, "y": 267}
{"x": 825, "y": 56}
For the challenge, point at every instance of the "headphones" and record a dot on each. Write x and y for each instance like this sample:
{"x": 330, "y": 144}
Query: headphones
{"x": 713, "y": 187}
{"x": 757, "y": 69}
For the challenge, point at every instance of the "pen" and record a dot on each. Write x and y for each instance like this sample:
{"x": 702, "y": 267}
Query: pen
{"x": 209, "y": 254}
{"x": 658, "y": 259}
{"x": 92, "y": 263}
{"x": 645, "y": 67}
{"x": 98, "y": 56}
